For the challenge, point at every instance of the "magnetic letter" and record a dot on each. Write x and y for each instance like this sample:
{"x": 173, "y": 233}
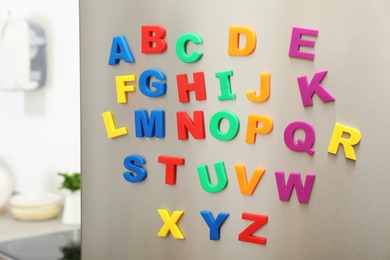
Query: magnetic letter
{"x": 307, "y": 90}
{"x": 153, "y": 39}
{"x": 348, "y": 143}
{"x": 245, "y": 188}
{"x": 301, "y": 145}
{"x": 247, "y": 234}
{"x": 109, "y": 123}
{"x": 183, "y": 87}
{"x": 204, "y": 177}
{"x": 181, "y": 47}
{"x": 214, "y": 224}
{"x": 170, "y": 224}
{"x": 215, "y": 123}
{"x": 253, "y": 129}
{"x": 264, "y": 89}
{"x": 122, "y": 88}
{"x": 224, "y": 84}
{"x": 297, "y": 42}
{"x": 136, "y": 172}
{"x": 185, "y": 125}
{"x": 144, "y": 83}
{"x": 120, "y": 50}
{"x": 303, "y": 191}
{"x": 145, "y": 127}
{"x": 234, "y": 41}
{"x": 170, "y": 168}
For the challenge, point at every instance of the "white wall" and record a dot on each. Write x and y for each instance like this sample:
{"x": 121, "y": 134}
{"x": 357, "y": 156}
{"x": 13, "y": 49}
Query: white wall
{"x": 40, "y": 130}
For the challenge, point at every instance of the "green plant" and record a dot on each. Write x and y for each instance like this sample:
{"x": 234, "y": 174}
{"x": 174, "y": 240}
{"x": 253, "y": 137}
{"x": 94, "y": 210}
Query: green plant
{"x": 71, "y": 181}
{"x": 71, "y": 252}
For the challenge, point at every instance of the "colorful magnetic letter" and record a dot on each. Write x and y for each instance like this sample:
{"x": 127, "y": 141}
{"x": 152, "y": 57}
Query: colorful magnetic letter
{"x": 144, "y": 83}
{"x": 224, "y": 84}
{"x": 245, "y": 188}
{"x": 109, "y": 123}
{"x": 181, "y": 47}
{"x": 307, "y": 90}
{"x": 297, "y": 42}
{"x": 145, "y": 127}
{"x": 204, "y": 177}
{"x": 136, "y": 172}
{"x": 264, "y": 89}
{"x": 247, "y": 234}
{"x": 303, "y": 191}
{"x": 170, "y": 168}
{"x": 153, "y": 39}
{"x": 170, "y": 224}
{"x": 185, "y": 125}
{"x": 183, "y": 87}
{"x": 214, "y": 224}
{"x": 122, "y": 88}
{"x": 120, "y": 50}
{"x": 301, "y": 145}
{"x": 215, "y": 123}
{"x": 348, "y": 143}
{"x": 252, "y": 128}
{"x": 234, "y": 48}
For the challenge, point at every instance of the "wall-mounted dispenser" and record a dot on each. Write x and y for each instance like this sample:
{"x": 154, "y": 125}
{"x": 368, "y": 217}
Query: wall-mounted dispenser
{"x": 22, "y": 55}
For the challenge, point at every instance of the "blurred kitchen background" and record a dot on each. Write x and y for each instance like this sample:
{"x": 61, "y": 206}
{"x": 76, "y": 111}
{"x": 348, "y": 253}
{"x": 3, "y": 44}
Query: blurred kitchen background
{"x": 40, "y": 129}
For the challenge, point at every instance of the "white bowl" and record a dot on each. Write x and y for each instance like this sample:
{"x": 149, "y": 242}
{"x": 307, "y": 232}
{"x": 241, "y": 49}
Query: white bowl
{"x": 36, "y": 214}
{"x": 37, "y": 210}
{"x": 34, "y": 200}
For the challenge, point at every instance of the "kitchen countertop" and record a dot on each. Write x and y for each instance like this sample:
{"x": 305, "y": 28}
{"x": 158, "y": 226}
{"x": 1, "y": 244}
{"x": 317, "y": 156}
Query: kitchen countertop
{"x": 11, "y": 228}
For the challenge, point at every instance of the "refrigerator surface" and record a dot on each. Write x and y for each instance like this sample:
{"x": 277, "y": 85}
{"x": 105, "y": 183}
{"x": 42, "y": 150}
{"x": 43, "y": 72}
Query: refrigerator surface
{"x": 235, "y": 130}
